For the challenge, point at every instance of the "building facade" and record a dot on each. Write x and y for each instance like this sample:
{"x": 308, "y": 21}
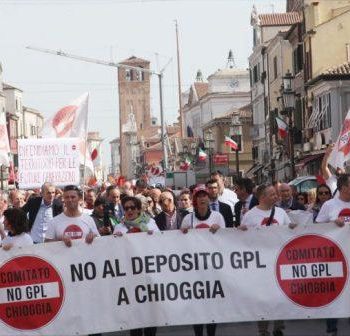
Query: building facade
{"x": 267, "y": 63}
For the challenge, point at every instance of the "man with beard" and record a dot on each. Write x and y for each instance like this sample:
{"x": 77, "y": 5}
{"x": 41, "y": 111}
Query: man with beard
{"x": 216, "y": 205}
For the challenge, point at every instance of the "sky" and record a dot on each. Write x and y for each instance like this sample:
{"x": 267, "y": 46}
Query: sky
{"x": 113, "y": 30}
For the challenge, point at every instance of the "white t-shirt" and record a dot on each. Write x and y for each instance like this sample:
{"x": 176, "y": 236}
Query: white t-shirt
{"x": 229, "y": 197}
{"x": 23, "y": 239}
{"x": 151, "y": 226}
{"x": 333, "y": 209}
{"x": 332, "y": 183}
{"x": 74, "y": 227}
{"x": 190, "y": 221}
{"x": 257, "y": 217}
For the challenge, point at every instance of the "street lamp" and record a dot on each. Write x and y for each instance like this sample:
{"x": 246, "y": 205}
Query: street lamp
{"x": 288, "y": 99}
{"x": 209, "y": 146}
{"x": 236, "y": 135}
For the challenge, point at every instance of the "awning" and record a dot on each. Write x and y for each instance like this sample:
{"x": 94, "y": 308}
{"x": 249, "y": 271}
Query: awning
{"x": 253, "y": 169}
{"x": 307, "y": 159}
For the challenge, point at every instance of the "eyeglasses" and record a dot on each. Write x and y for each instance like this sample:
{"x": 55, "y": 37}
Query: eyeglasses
{"x": 323, "y": 192}
{"x": 131, "y": 207}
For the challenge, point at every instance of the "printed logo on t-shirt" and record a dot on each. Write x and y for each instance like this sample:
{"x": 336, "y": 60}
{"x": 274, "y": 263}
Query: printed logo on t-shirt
{"x": 266, "y": 220}
{"x": 346, "y": 214}
{"x": 73, "y": 231}
{"x": 202, "y": 226}
{"x": 134, "y": 230}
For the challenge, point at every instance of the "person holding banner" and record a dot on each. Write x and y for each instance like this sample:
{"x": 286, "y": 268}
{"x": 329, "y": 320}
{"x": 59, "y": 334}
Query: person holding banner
{"x": 266, "y": 214}
{"x": 203, "y": 217}
{"x": 72, "y": 223}
{"x": 136, "y": 221}
{"x": 16, "y": 224}
{"x": 336, "y": 210}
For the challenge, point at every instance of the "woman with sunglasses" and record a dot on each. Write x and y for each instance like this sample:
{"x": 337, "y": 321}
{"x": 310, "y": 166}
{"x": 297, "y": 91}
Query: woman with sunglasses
{"x": 323, "y": 194}
{"x": 135, "y": 220}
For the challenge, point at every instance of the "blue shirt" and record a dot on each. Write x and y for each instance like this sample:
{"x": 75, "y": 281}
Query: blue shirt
{"x": 40, "y": 224}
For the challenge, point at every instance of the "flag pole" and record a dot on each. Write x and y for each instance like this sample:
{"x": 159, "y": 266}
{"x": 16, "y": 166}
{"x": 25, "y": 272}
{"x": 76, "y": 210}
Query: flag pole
{"x": 86, "y": 146}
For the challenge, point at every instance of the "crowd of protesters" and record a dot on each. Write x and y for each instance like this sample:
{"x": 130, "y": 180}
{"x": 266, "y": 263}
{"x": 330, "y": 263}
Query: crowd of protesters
{"x": 52, "y": 214}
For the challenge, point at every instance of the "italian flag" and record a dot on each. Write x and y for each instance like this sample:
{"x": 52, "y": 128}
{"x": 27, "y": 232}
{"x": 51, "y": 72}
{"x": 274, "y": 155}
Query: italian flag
{"x": 185, "y": 165}
{"x": 282, "y": 127}
{"x": 230, "y": 143}
{"x": 202, "y": 156}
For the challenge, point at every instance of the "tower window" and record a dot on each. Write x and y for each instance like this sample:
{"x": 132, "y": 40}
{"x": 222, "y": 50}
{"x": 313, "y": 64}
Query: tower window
{"x": 140, "y": 76}
{"x": 129, "y": 75}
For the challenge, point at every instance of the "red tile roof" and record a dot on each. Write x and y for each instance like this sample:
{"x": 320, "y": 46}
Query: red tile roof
{"x": 201, "y": 89}
{"x": 134, "y": 60}
{"x": 343, "y": 69}
{"x": 279, "y": 19}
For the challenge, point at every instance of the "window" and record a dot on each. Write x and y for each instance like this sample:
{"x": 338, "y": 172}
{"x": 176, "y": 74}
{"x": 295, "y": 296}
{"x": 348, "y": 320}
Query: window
{"x": 140, "y": 76}
{"x": 129, "y": 75}
{"x": 298, "y": 59}
{"x": 32, "y": 130}
{"x": 256, "y": 73}
{"x": 275, "y": 69}
{"x": 322, "y": 106}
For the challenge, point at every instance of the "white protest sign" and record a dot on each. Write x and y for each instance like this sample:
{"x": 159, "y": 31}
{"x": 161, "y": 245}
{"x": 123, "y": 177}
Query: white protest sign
{"x": 171, "y": 278}
{"x": 48, "y": 160}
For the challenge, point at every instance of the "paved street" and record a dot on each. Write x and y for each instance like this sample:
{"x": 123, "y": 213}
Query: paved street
{"x": 293, "y": 328}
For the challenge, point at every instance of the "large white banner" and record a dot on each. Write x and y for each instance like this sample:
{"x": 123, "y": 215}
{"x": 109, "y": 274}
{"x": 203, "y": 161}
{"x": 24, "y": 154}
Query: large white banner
{"x": 172, "y": 278}
{"x": 48, "y": 160}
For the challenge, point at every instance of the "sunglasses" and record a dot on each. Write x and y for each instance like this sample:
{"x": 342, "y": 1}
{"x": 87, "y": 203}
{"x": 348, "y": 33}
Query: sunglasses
{"x": 323, "y": 192}
{"x": 131, "y": 207}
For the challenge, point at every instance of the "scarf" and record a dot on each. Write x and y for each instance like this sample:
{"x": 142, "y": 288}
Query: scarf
{"x": 140, "y": 223}
{"x": 205, "y": 217}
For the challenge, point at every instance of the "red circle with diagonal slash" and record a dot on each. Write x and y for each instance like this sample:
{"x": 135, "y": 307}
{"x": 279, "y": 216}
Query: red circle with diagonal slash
{"x": 311, "y": 270}
{"x": 31, "y": 293}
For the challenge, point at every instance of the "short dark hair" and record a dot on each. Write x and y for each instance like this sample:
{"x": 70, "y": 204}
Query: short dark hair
{"x": 133, "y": 199}
{"x": 186, "y": 191}
{"x": 111, "y": 188}
{"x": 211, "y": 181}
{"x": 72, "y": 187}
{"x": 343, "y": 181}
{"x": 246, "y": 184}
{"x": 17, "y": 218}
{"x": 141, "y": 184}
{"x": 217, "y": 172}
{"x": 261, "y": 190}
{"x": 323, "y": 185}
{"x": 99, "y": 201}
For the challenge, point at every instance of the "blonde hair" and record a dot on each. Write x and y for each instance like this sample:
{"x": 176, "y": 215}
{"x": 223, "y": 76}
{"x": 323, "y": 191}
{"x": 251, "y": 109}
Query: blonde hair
{"x": 311, "y": 195}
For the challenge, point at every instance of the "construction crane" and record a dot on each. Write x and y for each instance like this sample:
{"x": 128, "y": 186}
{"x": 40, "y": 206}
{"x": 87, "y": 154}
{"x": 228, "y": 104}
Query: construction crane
{"x": 159, "y": 74}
